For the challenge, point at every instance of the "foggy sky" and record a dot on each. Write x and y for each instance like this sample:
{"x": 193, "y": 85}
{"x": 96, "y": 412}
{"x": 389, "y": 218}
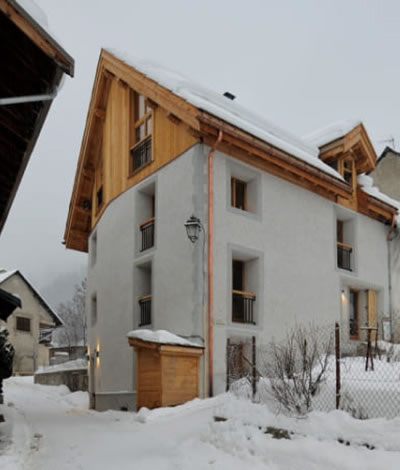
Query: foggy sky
{"x": 301, "y": 64}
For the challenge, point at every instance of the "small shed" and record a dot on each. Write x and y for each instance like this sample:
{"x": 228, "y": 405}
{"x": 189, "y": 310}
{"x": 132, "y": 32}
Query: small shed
{"x": 167, "y": 368}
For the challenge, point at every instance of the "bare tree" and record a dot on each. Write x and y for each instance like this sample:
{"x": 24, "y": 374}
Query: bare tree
{"x": 72, "y": 313}
{"x": 296, "y": 367}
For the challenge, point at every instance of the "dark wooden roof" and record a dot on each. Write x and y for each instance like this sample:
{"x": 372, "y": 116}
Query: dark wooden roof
{"x": 32, "y": 63}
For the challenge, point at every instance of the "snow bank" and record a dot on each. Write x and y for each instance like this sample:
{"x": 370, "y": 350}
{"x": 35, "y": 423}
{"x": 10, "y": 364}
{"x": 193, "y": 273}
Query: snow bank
{"x": 229, "y": 111}
{"x": 69, "y": 365}
{"x": 332, "y": 132}
{"x": 161, "y": 336}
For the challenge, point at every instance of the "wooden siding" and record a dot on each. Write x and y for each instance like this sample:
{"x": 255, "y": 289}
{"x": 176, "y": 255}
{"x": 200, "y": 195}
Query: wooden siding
{"x": 170, "y": 138}
{"x": 165, "y": 374}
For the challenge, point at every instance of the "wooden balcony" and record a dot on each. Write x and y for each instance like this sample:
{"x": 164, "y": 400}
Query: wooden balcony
{"x": 242, "y": 307}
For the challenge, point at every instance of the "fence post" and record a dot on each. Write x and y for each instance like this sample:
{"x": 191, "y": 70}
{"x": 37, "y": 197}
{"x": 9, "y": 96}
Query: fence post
{"x": 254, "y": 369}
{"x": 337, "y": 354}
{"x": 228, "y": 343}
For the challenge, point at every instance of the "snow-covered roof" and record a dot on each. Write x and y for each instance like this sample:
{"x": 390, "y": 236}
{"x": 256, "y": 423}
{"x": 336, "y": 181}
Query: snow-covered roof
{"x": 161, "y": 336}
{"x": 229, "y": 111}
{"x": 367, "y": 185}
{"x": 332, "y": 132}
{"x": 4, "y": 274}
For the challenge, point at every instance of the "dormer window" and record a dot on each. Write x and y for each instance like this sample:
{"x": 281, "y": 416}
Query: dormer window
{"x": 142, "y": 118}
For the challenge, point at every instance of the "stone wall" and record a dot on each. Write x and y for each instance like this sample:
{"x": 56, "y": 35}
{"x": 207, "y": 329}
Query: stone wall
{"x": 75, "y": 379}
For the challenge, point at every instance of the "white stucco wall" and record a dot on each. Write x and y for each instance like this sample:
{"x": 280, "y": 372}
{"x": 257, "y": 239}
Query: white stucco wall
{"x": 288, "y": 240}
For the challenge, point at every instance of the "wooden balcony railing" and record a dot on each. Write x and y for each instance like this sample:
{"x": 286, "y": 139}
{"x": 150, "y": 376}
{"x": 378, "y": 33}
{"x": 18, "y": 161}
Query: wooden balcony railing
{"x": 147, "y": 229}
{"x": 242, "y": 306}
{"x": 145, "y": 310}
{"x": 344, "y": 252}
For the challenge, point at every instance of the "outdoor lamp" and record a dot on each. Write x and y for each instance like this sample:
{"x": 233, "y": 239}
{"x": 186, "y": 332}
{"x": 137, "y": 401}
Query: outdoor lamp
{"x": 193, "y": 227}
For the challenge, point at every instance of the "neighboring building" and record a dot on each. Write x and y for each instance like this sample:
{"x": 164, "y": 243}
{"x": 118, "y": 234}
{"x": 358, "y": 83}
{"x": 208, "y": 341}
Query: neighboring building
{"x": 286, "y": 232}
{"x": 27, "y": 51}
{"x": 386, "y": 176}
{"x": 30, "y": 325}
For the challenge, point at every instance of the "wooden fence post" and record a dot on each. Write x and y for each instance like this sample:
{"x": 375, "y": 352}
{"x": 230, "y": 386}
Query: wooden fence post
{"x": 337, "y": 354}
{"x": 254, "y": 369}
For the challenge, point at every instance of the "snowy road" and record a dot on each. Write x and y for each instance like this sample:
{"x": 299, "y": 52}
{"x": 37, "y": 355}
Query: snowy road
{"x": 52, "y": 429}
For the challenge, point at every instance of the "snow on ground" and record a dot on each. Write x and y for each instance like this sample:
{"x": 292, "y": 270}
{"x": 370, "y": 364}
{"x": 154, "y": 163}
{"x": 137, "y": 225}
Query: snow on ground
{"x": 51, "y": 428}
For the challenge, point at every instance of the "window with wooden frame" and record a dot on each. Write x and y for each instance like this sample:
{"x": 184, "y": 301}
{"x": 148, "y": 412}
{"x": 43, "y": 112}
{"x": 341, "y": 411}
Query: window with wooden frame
{"x": 141, "y": 132}
{"x": 238, "y": 194}
{"x": 354, "y": 314}
{"x": 242, "y": 301}
{"x": 23, "y": 324}
{"x": 344, "y": 250}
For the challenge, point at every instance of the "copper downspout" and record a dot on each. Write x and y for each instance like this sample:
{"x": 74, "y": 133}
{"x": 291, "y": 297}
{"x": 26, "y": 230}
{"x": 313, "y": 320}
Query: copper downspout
{"x": 210, "y": 263}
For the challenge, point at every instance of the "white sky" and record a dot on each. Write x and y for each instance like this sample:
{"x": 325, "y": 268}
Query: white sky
{"x": 301, "y": 64}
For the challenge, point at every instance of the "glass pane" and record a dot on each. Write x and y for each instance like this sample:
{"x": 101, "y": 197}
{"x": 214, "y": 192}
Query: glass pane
{"x": 141, "y": 106}
{"x": 149, "y": 123}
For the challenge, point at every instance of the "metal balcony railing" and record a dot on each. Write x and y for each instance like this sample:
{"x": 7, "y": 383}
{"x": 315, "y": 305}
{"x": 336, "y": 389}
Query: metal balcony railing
{"x": 344, "y": 252}
{"x": 242, "y": 306}
{"x": 145, "y": 310}
{"x": 147, "y": 229}
{"x": 141, "y": 154}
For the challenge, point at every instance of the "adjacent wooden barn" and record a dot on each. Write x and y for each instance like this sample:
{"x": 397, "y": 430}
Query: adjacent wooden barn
{"x": 166, "y": 374}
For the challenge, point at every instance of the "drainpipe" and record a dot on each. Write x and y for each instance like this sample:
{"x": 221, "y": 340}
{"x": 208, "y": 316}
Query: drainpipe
{"x": 389, "y": 239}
{"x": 210, "y": 262}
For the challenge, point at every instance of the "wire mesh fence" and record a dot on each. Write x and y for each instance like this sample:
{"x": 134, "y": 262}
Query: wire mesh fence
{"x": 319, "y": 368}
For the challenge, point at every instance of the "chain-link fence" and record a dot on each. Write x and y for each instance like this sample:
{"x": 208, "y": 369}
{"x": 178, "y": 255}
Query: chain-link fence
{"x": 319, "y": 368}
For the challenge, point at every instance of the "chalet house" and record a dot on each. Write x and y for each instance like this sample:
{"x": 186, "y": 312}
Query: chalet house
{"x": 283, "y": 229}
{"x": 30, "y": 325}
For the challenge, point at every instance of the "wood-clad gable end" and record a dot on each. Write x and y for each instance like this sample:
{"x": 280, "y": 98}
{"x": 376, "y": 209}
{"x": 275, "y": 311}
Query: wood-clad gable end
{"x": 108, "y": 136}
{"x": 134, "y": 145}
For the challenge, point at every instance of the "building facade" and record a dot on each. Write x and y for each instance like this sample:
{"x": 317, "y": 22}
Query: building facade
{"x": 28, "y": 325}
{"x": 287, "y": 234}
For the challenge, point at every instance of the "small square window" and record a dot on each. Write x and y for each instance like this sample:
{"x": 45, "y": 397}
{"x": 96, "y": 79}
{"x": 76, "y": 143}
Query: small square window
{"x": 239, "y": 194}
{"x": 23, "y": 324}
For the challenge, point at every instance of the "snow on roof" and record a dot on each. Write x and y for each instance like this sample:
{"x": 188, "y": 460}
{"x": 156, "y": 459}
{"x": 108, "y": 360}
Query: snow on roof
{"x": 367, "y": 185}
{"x": 161, "y": 336}
{"x": 4, "y": 274}
{"x": 329, "y": 133}
{"x": 229, "y": 111}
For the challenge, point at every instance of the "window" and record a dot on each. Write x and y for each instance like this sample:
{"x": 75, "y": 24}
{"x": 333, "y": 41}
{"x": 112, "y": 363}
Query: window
{"x": 347, "y": 170}
{"x": 143, "y": 283}
{"x": 354, "y": 314}
{"x": 242, "y": 301}
{"x": 93, "y": 309}
{"x": 23, "y": 324}
{"x": 238, "y": 194}
{"x": 142, "y": 118}
{"x": 93, "y": 249}
{"x": 344, "y": 250}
